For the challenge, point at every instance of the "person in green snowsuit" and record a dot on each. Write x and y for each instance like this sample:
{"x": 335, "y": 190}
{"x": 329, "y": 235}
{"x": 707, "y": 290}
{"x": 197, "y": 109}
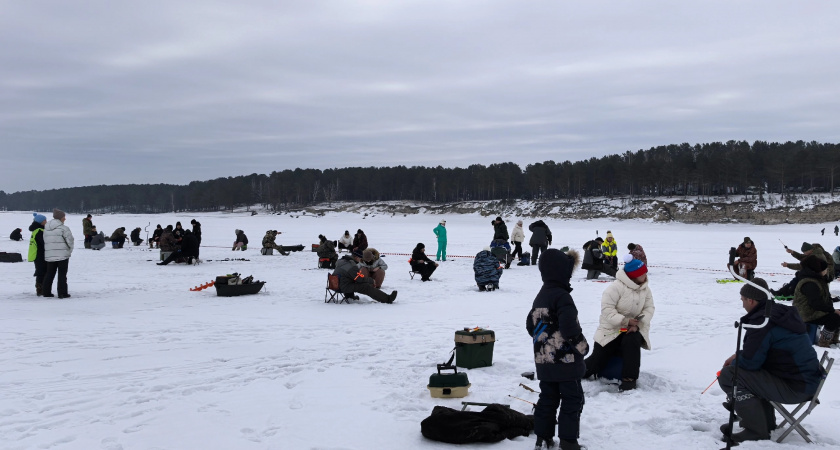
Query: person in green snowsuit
{"x": 440, "y": 232}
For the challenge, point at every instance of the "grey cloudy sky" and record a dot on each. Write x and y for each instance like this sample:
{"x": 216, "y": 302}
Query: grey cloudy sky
{"x": 105, "y": 92}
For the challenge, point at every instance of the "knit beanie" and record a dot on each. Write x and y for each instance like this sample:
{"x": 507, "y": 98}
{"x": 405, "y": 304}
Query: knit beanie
{"x": 631, "y": 246}
{"x": 499, "y": 219}
{"x": 58, "y": 214}
{"x": 814, "y": 263}
{"x": 747, "y": 240}
{"x": 754, "y": 293}
{"x": 38, "y": 217}
{"x": 609, "y": 234}
{"x": 635, "y": 268}
{"x": 806, "y": 246}
{"x": 358, "y": 254}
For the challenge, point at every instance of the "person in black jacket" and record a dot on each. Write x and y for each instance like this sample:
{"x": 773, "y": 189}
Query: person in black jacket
{"x": 241, "y": 242}
{"x": 354, "y": 280}
{"x": 500, "y": 229}
{"x": 16, "y": 235}
{"x": 196, "y": 225}
{"x": 421, "y": 263}
{"x": 540, "y": 239}
{"x": 189, "y": 249}
{"x": 178, "y": 232}
{"x": 777, "y": 363}
{"x": 155, "y": 240}
{"x": 559, "y": 351}
{"x": 37, "y": 240}
{"x": 135, "y": 237}
{"x": 360, "y": 241}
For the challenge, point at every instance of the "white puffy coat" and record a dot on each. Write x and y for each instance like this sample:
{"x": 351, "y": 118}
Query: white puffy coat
{"x": 517, "y": 235}
{"x": 58, "y": 241}
{"x": 347, "y": 241}
{"x": 624, "y": 300}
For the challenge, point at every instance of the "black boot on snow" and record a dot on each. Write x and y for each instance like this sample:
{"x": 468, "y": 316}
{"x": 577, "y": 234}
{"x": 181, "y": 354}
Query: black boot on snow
{"x": 543, "y": 444}
{"x": 569, "y": 445}
{"x": 754, "y": 420}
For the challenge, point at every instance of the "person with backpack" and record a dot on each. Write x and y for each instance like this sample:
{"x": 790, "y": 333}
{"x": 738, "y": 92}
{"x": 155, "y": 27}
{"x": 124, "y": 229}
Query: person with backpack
{"x": 36, "y": 250}
{"x": 540, "y": 239}
{"x": 559, "y": 351}
{"x": 440, "y": 233}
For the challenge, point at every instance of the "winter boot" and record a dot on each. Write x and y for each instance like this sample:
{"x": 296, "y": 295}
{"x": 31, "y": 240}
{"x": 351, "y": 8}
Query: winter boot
{"x": 39, "y": 290}
{"x": 753, "y": 419}
{"x": 627, "y": 384}
{"x": 544, "y": 443}
{"x": 770, "y": 414}
{"x": 836, "y": 339}
{"x": 825, "y": 338}
{"x": 569, "y": 445}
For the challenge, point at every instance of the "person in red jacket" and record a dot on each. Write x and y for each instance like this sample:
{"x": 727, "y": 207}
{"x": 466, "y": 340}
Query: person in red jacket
{"x": 747, "y": 259}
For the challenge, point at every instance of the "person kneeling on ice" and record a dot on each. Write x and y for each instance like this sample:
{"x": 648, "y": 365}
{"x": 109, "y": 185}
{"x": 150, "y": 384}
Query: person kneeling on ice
{"x": 269, "y": 242}
{"x": 97, "y": 240}
{"x": 624, "y": 326}
{"x": 488, "y": 270}
{"x": 352, "y": 279}
{"x": 135, "y": 237}
{"x": 777, "y": 363}
{"x": 559, "y": 349}
{"x": 118, "y": 237}
{"x": 188, "y": 250}
{"x": 16, "y": 235}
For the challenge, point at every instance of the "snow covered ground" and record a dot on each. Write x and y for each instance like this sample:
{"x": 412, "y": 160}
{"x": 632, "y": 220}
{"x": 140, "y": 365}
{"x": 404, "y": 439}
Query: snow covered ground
{"x": 135, "y": 360}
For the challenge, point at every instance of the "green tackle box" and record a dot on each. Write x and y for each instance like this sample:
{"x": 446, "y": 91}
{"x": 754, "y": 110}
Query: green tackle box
{"x": 448, "y": 385}
{"x": 474, "y": 348}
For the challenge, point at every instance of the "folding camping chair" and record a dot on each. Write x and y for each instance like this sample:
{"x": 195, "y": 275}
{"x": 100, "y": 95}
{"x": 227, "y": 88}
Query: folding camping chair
{"x": 333, "y": 293}
{"x": 790, "y": 416}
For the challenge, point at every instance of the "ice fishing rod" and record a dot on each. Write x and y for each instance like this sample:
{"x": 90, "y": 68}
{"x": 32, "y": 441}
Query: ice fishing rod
{"x": 783, "y": 244}
{"x": 712, "y": 383}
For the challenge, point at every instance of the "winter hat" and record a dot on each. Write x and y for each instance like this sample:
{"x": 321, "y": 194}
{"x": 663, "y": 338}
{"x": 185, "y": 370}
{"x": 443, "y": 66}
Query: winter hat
{"x": 747, "y": 239}
{"x": 499, "y": 219}
{"x": 58, "y": 214}
{"x": 806, "y": 246}
{"x": 631, "y": 246}
{"x": 599, "y": 239}
{"x": 122, "y": 228}
{"x": 627, "y": 258}
{"x": 192, "y": 221}
{"x": 635, "y": 268}
{"x": 519, "y": 222}
{"x": 89, "y": 216}
{"x": 754, "y": 293}
{"x": 358, "y": 254}
{"x": 609, "y": 234}
{"x": 38, "y": 217}
{"x": 814, "y": 263}
{"x": 442, "y": 222}
{"x": 367, "y": 255}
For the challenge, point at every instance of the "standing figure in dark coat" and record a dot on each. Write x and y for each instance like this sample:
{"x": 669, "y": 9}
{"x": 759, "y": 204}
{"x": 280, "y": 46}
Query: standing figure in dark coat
{"x": 36, "y": 250}
{"x": 87, "y": 229}
{"x": 135, "y": 237}
{"x": 421, "y": 263}
{"x": 500, "y": 230}
{"x": 777, "y": 363}
{"x": 559, "y": 350}
{"x": 196, "y": 230}
{"x": 593, "y": 260}
{"x": 16, "y": 235}
{"x": 188, "y": 250}
{"x": 360, "y": 241}
{"x": 540, "y": 239}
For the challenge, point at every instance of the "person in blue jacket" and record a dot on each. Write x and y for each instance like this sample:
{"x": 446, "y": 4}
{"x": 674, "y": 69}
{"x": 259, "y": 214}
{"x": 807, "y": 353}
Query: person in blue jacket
{"x": 777, "y": 363}
{"x": 559, "y": 351}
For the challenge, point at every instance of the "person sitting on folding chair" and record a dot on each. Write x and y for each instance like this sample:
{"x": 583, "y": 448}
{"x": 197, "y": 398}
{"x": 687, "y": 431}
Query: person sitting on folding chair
{"x": 777, "y": 363}
{"x": 353, "y": 280}
{"x": 326, "y": 251}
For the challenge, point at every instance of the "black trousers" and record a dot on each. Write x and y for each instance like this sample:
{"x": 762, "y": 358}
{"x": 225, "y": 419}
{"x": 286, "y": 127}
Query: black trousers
{"x": 41, "y": 270}
{"x": 627, "y": 345}
{"x": 52, "y": 268}
{"x": 425, "y": 268}
{"x": 175, "y": 255}
{"x": 831, "y": 322}
{"x": 568, "y": 395}
{"x": 517, "y": 250}
{"x": 535, "y": 253}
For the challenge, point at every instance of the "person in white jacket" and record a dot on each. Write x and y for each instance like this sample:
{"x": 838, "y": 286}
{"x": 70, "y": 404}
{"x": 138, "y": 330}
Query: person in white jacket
{"x": 624, "y": 326}
{"x": 345, "y": 242}
{"x": 517, "y": 236}
{"x": 58, "y": 246}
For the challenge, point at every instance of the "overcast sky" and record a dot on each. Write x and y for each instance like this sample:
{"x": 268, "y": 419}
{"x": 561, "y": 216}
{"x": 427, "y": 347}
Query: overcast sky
{"x": 105, "y": 92}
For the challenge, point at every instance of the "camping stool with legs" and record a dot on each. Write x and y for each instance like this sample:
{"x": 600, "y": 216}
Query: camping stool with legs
{"x": 790, "y": 416}
{"x": 411, "y": 271}
{"x": 333, "y": 293}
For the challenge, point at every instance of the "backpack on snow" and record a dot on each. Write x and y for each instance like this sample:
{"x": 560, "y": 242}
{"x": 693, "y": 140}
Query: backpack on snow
{"x": 525, "y": 260}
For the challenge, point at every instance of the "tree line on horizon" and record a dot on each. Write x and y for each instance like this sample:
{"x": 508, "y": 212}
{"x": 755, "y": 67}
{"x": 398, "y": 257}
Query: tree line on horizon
{"x": 710, "y": 169}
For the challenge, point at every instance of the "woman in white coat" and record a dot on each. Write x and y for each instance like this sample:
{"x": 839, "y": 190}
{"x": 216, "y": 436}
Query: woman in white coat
{"x": 517, "y": 236}
{"x": 58, "y": 246}
{"x": 624, "y": 326}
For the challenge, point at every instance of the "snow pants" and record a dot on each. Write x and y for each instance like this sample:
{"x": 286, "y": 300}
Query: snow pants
{"x": 535, "y": 253}
{"x": 40, "y": 271}
{"x": 568, "y": 395}
{"x": 628, "y": 345}
{"x": 424, "y": 268}
{"x": 517, "y": 250}
{"x": 441, "y": 250}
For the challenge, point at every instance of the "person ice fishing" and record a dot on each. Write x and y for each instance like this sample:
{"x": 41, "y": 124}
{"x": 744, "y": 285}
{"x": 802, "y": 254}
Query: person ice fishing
{"x": 836, "y": 230}
{"x": 787, "y": 290}
{"x": 421, "y": 263}
{"x": 812, "y": 299}
{"x": 135, "y": 237}
{"x": 354, "y": 280}
{"x": 376, "y": 266}
{"x": 87, "y": 229}
{"x": 747, "y": 259}
{"x": 16, "y": 235}
{"x": 326, "y": 250}
{"x": 241, "y": 242}
{"x": 440, "y": 232}
{"x": 624, "y": 327}
{"x": 559, "y": 351}
{"x": 777, "y": 363}
{"x": 345, "y": 242}
{"x": 610, "y": 250}
{"x": 187, "y": 251}
{"x": 487, "y": 269}
{"x": 638, "y": 252}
